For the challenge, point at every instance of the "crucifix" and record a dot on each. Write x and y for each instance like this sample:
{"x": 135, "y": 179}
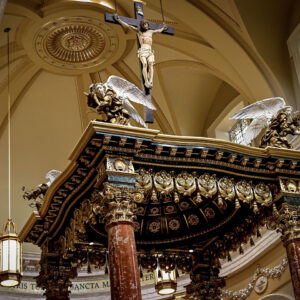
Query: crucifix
{"x": 144, "y": 30}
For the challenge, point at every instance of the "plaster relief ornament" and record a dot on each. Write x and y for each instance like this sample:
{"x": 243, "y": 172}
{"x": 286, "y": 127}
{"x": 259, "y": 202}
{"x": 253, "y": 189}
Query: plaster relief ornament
{"x": 273, "y": 115}
{"x": 185, "y": 184}
{"x": 207, "y": 185}
{"x": 244, "y": 191}
{"x": 145, "y": 52}
{"x": 226, "y": 188}
{"x": 112, "y": 99}
{"x": 163, "y": 182}
{"x": 263, "y": 194}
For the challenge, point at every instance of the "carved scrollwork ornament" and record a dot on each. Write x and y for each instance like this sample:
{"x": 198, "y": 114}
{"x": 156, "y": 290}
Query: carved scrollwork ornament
{"x": 226, "y": 188}
{"x": 287, "y": 221}
{"x": 207, "y": 185}
{"x": 78, "y": 219}
{"x": 163, "y": 182}
{"x": 185, "y": 184}
{"x": 244, "y": 191}
{"x": 263, "y": 194}
{"x": 144, "y": 180}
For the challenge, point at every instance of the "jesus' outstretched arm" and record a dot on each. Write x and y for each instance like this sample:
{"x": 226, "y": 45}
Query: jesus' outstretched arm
{"x": 163, "y": 28}
{"x": 124, "y": 24}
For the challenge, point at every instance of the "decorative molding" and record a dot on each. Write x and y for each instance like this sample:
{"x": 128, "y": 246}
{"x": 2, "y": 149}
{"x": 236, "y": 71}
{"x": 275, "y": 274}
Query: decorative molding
{"x": 268, "y": 241}
{"x": 75, "y": 42}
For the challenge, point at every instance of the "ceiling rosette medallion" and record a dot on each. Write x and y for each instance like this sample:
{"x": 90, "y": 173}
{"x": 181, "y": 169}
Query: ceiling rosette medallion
{"x": 75, "y": 43}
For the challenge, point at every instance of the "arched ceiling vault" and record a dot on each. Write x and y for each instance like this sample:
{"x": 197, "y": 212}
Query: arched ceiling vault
{"x": 206, "y": 65}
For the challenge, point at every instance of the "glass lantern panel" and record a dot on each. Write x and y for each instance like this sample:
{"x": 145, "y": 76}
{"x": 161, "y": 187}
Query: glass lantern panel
{"x": 156, "y": 278}
{"x": 165, "y": 275}
{"x": 13, "y": 255}
{"x": 173, "y": 276}
{"x": 5, "y": 253}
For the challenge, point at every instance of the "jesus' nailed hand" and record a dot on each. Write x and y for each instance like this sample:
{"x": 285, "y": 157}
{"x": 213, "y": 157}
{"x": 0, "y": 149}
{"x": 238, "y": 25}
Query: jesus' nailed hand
{"x": 145, "y": 52}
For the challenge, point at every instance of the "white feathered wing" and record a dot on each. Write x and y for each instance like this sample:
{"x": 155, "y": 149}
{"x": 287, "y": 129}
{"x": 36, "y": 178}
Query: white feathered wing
{"x": 127, "y": 91}
{"x": 262, "y": 112}
{"x": 51, "y": 176}
{"x": 133, "y": 112}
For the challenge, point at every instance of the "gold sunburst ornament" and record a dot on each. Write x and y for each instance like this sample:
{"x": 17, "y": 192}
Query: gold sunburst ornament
{"x": 10, "y": 244}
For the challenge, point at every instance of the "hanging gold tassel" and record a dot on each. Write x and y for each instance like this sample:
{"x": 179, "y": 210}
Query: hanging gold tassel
{"x": 275, "y": 211}
{"x": 255, "y": 207}
{"x": 198, "y": 198}
{"x": 176, "y": 198}
{"x": 154, "y": 196}
{"x": 258, "y": 234}
{"x": 220, "y": 201}
{"x": 237, "y": 203}
{"x": 241, "y": 250}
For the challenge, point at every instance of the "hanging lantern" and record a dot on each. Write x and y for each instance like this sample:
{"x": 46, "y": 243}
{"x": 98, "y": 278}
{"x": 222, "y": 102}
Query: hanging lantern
{"x": 165, "y": 281}
{"x": 11, "y": 256}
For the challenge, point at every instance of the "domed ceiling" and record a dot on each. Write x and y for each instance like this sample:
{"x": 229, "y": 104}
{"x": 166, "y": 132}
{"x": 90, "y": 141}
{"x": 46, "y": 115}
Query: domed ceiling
{"x": 59, "y": 47}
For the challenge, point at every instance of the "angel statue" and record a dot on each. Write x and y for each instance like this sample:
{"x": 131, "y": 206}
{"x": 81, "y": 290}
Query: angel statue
{"x": 112, "y": 99}
{"x": 274, "y": 115}
{"x": 41, "y": 189}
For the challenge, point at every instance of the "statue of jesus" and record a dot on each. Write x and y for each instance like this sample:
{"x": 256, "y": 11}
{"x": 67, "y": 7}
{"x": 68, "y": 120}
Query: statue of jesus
{"x": 145, "y": 52}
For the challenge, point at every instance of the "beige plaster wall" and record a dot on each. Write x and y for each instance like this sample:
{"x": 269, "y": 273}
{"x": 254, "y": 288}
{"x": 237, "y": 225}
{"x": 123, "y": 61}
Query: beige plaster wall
{"x": 269, "y": 260}
{"x": 268, "y": 24}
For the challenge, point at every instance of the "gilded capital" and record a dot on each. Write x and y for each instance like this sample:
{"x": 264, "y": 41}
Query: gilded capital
{"x": 119, "y": 203}
{"x": 287, "y": 221}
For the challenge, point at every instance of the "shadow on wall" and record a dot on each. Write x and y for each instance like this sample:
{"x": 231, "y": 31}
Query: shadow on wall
{"x": 222, "y": 125}
{"x": 277, "y": 297}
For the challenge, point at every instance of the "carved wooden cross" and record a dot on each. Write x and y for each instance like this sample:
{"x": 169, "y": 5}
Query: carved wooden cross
{"x": 139, "y": 15}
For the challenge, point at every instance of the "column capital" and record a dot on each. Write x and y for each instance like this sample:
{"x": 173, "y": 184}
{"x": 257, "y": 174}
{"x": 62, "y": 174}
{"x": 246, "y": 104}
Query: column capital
{"x": 287, "y": 220}
{"x": 119, "y": 204}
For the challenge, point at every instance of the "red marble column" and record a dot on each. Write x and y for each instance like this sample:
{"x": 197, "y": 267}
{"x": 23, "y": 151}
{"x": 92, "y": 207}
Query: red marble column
{"x": 123, "y": 264}
{"x": 293, "y": 254}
